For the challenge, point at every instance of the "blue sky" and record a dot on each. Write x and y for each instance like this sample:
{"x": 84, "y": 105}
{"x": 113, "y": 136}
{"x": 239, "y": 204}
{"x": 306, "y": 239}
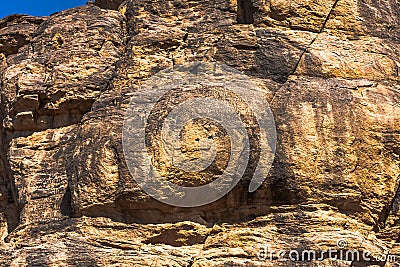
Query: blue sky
{"x": 36, "y": 7}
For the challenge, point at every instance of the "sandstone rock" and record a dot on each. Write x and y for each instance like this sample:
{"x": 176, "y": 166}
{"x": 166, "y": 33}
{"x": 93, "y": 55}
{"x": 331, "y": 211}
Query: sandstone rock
{"x": 17, "y": 31}
{"x": 58, "y": 89}
{"x": 329, "y": 70}
{"x": 108, "y": 4}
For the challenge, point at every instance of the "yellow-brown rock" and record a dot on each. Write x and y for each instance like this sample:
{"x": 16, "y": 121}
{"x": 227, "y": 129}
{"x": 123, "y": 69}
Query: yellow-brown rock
{"x": 329, "y": 69}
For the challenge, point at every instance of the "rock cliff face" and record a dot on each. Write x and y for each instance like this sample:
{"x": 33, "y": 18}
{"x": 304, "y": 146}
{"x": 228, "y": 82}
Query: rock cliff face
{"x": 330, "y": 71}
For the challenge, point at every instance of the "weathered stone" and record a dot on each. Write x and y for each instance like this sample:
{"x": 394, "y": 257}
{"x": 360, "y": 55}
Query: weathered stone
{"x": 108, "y": 4}
{"x": 328, "y": 68}
{"x": 64, "y": 87}
{"x": 17, "y": 31}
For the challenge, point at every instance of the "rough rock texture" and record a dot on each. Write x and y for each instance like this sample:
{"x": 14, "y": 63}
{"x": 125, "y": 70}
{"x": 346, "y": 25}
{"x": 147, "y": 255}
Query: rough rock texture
{"x": 330, "y": 70}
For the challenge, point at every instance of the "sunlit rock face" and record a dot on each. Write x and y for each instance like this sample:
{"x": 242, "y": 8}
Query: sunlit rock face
{"x": 329, "y": 70}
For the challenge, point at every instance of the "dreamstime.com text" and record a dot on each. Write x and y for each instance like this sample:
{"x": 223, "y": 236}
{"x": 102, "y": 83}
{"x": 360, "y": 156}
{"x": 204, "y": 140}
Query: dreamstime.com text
{"x": 265, "y": 253}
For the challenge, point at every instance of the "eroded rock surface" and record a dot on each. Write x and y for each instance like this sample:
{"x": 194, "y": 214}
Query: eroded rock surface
{"x": 329, "y": 69}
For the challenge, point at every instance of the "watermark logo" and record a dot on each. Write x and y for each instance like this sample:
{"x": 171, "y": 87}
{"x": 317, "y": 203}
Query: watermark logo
{"x": 342, "y": 243}
{"x": 192, "y": 132}
{"x": 342, "y": 252}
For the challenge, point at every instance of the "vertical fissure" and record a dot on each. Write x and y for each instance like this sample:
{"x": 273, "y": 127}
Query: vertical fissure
{"x": 9, "y": 199}
{"x": 245, "y": 12}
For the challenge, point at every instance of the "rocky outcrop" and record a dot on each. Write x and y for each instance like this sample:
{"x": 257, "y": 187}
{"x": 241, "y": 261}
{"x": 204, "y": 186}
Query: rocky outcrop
{"x": 329, "y": 70}
{"x": 108, "y": 4}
